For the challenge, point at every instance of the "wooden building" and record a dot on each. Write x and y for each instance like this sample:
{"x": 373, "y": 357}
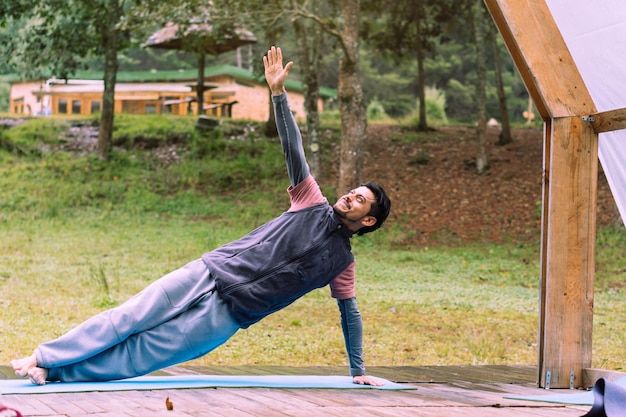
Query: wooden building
{"x": 229, "y": 92}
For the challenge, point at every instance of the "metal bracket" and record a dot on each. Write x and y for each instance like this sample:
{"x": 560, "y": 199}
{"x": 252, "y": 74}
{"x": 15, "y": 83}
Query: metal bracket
{"x": 588, "y": 119}
{"x": 571, "y": 380}
{"x": 548, "y": 376}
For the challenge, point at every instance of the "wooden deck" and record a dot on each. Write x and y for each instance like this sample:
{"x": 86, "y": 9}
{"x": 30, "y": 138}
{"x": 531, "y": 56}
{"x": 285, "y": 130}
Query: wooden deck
{"x": 446, "y": 391}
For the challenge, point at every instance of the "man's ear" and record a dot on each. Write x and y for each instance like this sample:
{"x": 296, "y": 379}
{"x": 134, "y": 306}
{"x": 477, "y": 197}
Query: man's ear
{"x": 368, "y": 221}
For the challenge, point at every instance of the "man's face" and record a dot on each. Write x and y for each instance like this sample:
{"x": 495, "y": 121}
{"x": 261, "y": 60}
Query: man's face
{"x": 353, "y": 208}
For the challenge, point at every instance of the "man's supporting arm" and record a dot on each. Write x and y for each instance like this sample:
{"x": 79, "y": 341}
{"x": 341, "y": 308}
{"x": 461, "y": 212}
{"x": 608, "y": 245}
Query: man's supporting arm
{"x": 352, "y": 327}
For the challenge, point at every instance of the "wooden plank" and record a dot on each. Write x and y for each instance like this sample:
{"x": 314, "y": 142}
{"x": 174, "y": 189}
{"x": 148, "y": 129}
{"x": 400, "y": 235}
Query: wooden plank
{"x": 333, "y": 403}
{"x": 568, "y": 252}
{"x": 60, "y": 405}
{"x": 591, "y": 375}
{"x": 455, "y": 398}
{"x": 83, "y": 400}
{"x": 33, "y": 407}
{"x": 402, "y": 374}
{"x": 542, "y": 58}
{"x": 543, "y": 252}
{"x": 197, "y": 402}
{"x": 225, "y": 403}
{"x": 609, "y": 121}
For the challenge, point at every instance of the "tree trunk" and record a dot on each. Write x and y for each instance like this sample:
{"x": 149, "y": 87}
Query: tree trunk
{"x": 421, "y": 88}
{"x": 481, "y": 81}
{"x": 505, "y": 134}
{"x": 200, "y": 92}
{"x": 351, "y": 101}
{"x": 111, "y": 46}
{"x": 270, "y": 129}
{"x": 309, "y": 62}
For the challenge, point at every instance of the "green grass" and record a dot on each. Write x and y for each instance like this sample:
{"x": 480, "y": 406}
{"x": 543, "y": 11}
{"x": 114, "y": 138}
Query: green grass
{"x": 80, "y": 235}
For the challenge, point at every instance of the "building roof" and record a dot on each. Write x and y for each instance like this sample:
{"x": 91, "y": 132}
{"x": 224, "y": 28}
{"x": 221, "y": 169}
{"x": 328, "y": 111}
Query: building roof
{"x": 191, "y": 75}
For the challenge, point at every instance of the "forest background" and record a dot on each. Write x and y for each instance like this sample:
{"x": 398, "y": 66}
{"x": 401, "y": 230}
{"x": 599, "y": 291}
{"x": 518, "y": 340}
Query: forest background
{"x": 394, "y": 39}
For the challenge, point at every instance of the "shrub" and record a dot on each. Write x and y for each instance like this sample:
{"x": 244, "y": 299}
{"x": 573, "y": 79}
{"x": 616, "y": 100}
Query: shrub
{"x": 34, "y": 136}
{"x": 151, "y": 131}
{"x": 435, "y": 108}
{"x": 376, "y": 111}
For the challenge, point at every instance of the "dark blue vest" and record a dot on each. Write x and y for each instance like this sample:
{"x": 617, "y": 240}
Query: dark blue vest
{"x": 280, "y": 261}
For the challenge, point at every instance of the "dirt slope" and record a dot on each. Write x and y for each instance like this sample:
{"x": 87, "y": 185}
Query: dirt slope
{"x": 437, "y": 194}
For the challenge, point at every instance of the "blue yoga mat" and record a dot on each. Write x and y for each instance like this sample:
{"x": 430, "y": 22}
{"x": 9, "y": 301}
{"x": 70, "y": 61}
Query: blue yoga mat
{"x": 584, "y": 398}
{"x": 24, "y": 386}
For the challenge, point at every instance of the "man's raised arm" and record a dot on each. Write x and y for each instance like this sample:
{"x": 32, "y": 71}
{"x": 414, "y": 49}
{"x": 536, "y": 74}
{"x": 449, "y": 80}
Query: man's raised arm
{"x": 290, "y": 137}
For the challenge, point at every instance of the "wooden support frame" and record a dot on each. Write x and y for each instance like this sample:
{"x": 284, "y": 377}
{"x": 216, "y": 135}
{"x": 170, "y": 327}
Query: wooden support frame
{"x": 608, "y": 121}
{"x": 567, "y": 252}
{"x": 569, "y": 186}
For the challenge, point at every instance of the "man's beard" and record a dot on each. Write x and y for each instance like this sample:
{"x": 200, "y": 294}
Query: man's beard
{"x": 344, "y": 216}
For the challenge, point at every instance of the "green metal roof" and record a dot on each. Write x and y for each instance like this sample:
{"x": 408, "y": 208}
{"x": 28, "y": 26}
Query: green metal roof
{"x": 192, "y": 75}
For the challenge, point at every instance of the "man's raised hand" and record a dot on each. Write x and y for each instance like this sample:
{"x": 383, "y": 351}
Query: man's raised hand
{"x": 275, "y": 73}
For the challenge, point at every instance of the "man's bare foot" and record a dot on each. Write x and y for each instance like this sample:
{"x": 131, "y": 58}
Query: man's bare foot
{"x": 28, "y": 367}
{"x": 22, "y": 366}
{"x": 38, "y": 375}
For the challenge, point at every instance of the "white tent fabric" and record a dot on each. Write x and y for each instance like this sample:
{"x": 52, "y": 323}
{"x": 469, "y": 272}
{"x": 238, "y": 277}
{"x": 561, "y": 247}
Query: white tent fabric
{"x": 612, "y": 153}
{"x": 595, "y": 34}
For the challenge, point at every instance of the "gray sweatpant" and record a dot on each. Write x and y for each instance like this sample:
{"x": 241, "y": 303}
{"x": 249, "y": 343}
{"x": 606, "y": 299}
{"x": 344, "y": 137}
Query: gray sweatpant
{"x": 175, "y": 319}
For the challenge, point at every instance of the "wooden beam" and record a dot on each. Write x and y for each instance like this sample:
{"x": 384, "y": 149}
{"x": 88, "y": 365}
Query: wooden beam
{"x": 545, "y": 209}
{"x": 568, "y": 251}
{"x": 609, "y": 121}
{"x": 591, "y": 375}
{"x": 541, "y": 57}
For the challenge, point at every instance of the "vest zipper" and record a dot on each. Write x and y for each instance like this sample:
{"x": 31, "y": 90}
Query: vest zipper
{"x": 269, "y": 272}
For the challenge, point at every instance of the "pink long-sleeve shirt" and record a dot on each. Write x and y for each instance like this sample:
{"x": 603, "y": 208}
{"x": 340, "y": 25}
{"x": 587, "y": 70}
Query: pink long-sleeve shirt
{"x": 306, "y": 194}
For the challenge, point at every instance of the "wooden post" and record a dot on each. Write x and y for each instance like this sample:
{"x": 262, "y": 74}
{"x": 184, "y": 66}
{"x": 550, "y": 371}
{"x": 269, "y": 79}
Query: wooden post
{"x": 568, "y": 251}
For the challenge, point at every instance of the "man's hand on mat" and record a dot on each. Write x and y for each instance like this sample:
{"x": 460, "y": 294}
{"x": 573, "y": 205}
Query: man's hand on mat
{"x": 366, "y": 380}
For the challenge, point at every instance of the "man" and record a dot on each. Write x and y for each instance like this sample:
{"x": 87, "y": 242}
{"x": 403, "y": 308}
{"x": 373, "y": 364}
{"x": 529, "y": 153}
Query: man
{"x": 193, "y": 310}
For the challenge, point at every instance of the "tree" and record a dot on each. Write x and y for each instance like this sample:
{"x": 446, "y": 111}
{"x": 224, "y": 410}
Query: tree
{"x": 481, "y": 97}
{"x": 110, "y": 42}
{"x": 410, "y": 28}
{"x": 341, "y": 21}
{"x": 310, "y": 44}
{"x": 59, "y": 34}
{"x": 351, "y": 103}
{"x": 505, "y": 134}
{"x": 270, "y": 129}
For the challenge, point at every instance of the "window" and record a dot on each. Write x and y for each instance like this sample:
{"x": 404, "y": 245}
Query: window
{"x": 150, "y": 108}
{"x": 95, "y": 107}
{"x": 75, "y": 106}
{"x": 62, "y": 106}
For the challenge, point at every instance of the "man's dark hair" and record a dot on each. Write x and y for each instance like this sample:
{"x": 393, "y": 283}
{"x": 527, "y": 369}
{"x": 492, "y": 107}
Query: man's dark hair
{"x": 380, "y": 209}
